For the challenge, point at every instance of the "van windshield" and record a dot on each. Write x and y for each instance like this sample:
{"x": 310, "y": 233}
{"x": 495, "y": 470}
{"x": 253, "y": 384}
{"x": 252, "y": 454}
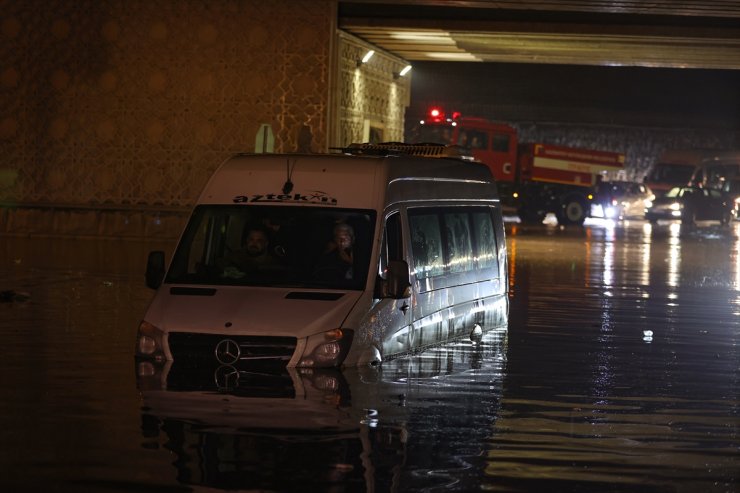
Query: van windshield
{"x": 306, "y": 247}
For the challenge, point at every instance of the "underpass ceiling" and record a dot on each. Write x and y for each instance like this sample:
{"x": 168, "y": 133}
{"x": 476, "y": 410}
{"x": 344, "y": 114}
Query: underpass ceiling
{"x": 675, "y": 34}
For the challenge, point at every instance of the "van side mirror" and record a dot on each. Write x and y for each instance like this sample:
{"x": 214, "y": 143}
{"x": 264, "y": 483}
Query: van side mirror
{"x": 155, "y": 269}
{"x": 396, "y": 284}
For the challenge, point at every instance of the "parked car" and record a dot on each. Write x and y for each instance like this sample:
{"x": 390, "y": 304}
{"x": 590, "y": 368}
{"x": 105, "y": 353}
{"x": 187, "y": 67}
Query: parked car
{"x": 621, "y": 200}
{"x": 690, "y": 204}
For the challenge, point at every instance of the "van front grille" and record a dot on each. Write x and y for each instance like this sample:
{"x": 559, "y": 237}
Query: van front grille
{"x": 263, "y": 352}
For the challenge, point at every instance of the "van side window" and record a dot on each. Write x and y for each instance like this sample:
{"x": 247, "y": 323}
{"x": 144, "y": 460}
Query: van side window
{"x": 426, "y": 244}
{"x": 393, "y": 235}
{"x": 457, "y": 239}
{"x": 485, "y": 240}
{"x": 392, "y": 247}
{"x": 452, "y": 240}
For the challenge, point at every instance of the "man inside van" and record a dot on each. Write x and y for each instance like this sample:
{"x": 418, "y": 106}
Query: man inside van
{"x": 253, "y": 255}
{"x": 335, "y": 264}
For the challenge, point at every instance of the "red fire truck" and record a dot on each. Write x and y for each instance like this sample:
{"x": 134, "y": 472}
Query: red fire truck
{"x": 533, "y": 178}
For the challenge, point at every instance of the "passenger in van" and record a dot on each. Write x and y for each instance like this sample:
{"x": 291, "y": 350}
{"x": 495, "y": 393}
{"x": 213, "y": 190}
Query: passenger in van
{"x": 335, "y": 263}
{"x": 253, "y": 255}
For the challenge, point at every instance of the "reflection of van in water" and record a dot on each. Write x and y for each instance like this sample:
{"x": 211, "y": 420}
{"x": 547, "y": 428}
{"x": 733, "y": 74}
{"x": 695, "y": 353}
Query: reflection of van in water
{"x": 329, "y": 260}
{"x": 356, "y": 426}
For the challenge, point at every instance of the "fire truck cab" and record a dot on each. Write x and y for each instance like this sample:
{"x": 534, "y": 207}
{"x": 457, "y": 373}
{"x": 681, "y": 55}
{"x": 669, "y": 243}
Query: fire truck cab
{"x": 494, "y": 144}
{"x": 533, "y": 178}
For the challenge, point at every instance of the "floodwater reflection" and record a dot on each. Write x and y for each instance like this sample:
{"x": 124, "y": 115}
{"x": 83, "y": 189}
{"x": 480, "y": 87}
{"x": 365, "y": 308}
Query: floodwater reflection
{"x": 635, "y": 385}
{"x": 414, "y": 421}
{"x": 618, "y": 373}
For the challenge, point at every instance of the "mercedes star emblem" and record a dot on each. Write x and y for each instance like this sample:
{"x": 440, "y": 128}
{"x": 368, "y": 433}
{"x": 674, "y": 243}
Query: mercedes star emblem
{"x": 227, "y": 352}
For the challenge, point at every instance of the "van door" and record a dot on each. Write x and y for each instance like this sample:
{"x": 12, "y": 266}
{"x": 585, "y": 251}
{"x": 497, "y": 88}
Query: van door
{"x": 394, "y": 314}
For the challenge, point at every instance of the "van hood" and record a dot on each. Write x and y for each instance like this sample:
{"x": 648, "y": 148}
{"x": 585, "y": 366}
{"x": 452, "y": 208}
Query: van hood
{"x": 249, "y": 311}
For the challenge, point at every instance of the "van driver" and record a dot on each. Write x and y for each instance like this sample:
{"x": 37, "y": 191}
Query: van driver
{"x": 253, "y": 255}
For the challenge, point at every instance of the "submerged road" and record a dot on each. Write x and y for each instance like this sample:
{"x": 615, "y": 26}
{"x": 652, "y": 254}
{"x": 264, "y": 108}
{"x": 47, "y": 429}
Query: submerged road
{"x": 619, "y": 372}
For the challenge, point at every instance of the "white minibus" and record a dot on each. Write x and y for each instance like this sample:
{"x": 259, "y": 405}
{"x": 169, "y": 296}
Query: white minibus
{"x": 329, "y": 260}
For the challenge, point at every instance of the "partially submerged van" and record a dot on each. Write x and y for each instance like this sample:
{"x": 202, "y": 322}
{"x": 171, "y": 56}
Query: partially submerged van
{"x": 329, "y": 260}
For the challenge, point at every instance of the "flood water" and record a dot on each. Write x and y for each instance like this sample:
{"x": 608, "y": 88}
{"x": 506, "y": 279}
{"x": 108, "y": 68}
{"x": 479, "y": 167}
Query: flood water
{"x": 619, "y": 372}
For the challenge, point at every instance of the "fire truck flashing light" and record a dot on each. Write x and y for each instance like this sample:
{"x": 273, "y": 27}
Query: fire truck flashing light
{"x": 436, "y": 115}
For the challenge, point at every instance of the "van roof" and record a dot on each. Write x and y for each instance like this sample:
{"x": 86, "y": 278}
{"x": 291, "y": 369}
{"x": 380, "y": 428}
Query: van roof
{"x": 401, "y": 148}
{"x": 355, "y": 181}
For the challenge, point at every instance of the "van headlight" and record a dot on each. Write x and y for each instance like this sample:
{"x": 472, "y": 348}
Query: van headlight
{"x": 149, "y": 342}
{"x": 326, "y": 349}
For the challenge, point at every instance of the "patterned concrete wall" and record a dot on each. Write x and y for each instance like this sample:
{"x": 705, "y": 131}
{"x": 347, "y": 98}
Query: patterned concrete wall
{"x": 372, "y": 97}
{"x": 132, "y": 103}
{"x": 113, "y": 114}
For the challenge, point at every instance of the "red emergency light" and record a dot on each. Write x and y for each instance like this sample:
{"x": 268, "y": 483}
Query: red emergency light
{"x": 437, "y": 115}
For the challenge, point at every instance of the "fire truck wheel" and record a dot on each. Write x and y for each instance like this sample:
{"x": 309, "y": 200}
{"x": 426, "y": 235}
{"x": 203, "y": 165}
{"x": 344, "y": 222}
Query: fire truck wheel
{"x": 572, "y": 211}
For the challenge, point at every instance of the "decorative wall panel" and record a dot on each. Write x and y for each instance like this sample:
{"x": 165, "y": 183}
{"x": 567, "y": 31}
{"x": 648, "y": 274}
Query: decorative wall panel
{"x": 134, "y": 103}
{"x": 370, "y": 93}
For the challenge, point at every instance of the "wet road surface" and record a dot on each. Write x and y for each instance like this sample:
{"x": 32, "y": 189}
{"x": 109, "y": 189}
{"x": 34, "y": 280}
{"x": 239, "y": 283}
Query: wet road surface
{"x": 620, "y": 371}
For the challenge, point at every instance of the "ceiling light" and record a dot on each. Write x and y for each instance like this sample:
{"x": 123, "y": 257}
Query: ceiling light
{"x": 403, "y": 72}
{"x": 366, "y": 58}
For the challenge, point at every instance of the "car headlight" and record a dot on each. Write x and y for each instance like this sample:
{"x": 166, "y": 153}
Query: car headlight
{"x": 149, "y": 342}
{"x": 676, "y": 206}
{"x": 326, "y": 349}
{"x": 648, "y": 204}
